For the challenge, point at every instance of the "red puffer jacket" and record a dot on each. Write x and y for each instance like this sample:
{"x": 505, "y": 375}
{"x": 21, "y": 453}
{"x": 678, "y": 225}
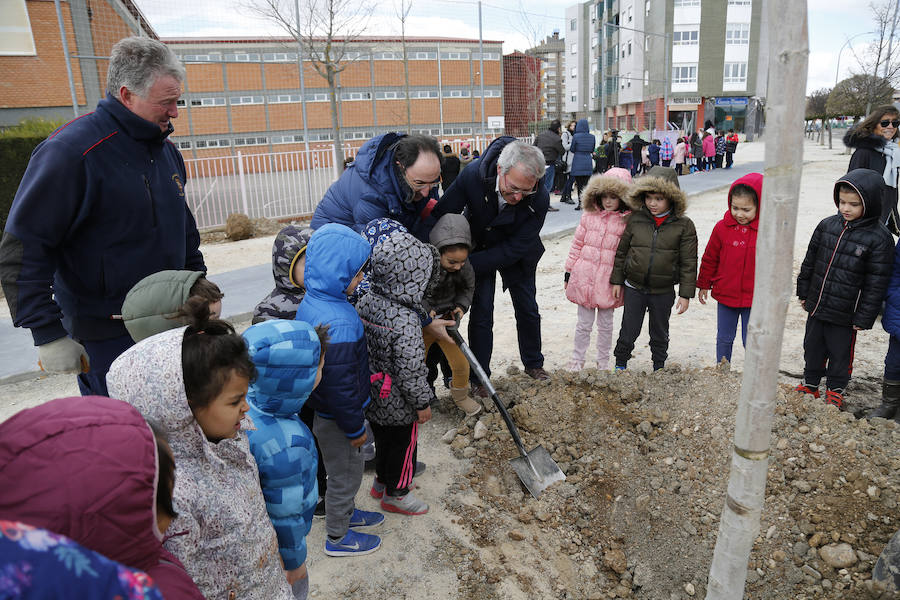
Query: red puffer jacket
{"x": 729, "y": 262}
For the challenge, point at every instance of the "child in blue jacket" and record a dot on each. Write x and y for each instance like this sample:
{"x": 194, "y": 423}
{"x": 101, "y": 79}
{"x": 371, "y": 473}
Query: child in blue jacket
{"x": 336, "y": 257}
{"x": 289, "y": 356}
{"x": 890, "y": 385}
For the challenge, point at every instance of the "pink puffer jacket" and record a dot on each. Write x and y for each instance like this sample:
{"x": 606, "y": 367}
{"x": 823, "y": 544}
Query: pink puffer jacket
{"x": 591, "y": 258}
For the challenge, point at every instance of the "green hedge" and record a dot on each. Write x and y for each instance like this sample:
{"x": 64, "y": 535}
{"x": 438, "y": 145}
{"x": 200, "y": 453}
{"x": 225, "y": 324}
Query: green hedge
{"x": 16, "y": 145}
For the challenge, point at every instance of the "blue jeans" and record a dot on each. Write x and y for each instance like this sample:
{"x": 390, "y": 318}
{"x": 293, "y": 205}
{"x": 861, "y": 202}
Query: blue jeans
{"x": 549, "y": 175}
{"x": 102, "y": 354}
{"x": 727, "y": 320}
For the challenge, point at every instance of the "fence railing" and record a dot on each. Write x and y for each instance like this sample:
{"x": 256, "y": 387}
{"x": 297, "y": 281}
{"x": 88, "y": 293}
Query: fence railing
{"x": 274, "y": 185}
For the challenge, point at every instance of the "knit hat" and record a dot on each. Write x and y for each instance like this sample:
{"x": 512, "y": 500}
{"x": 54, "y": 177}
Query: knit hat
{"x": 619, "y": 173}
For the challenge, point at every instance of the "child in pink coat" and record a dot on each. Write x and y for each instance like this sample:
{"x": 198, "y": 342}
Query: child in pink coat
{"x": 590, "y": 263}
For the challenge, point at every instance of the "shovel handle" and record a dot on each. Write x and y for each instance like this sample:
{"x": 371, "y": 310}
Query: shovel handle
{"x": 486, "y": 382}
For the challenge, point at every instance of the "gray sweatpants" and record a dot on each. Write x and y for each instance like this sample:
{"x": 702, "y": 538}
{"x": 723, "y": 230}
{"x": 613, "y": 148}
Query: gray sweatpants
{"x": 344, "y": 465}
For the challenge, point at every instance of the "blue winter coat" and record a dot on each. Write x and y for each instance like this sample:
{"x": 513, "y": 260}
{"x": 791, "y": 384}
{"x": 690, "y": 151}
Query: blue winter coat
{"x": 583, "y": 143}
{"x": 286, "y": 355}
{"x": 100, "y": 207}
{"x": 508, "y": 241}
{"x": 891, "y": 318}
{"x": 334, "y": 256}
{"x": 370, "y": 188}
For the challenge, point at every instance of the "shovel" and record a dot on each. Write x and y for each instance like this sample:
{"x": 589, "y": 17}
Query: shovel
{"x": 536, "y": 469}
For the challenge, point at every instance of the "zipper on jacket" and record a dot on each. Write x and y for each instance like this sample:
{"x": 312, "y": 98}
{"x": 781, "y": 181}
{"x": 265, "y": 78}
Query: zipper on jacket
{"x": 150, "y": 195}
{"x": 827, "y": 269}
{"x": 652, "y": 254}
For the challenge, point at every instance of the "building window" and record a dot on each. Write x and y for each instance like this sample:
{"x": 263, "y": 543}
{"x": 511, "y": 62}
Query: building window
{"x": 246, "y": 57}
{"x": 284, "y": 98}
{"x": 737, "y": 34}
{"x": 454, "y": 56}
{"x": 487, "y": 93}
{"x": 421, "y": 55}
{"x": 287, "y": 139}
{"x": 628, "y": 79}
{"x": 207, "y": 102}
{"x": 647, "y": 8}
{"x": 392, "y": 95}
{"x": 573, "y": 25}
{"x": 17, "y": 39}
{"x": 686, "y": 38}
{"x": 424, "y": 94}
{"x": 356, "y": 96}
{"x": 735, "y": 73}
{"x": 320, "y": 97}
{"x": 251, "y": 141}
{"x": 280, "y": 57}
{"x": 646, "y": 77}
{"x": 630, "y": 13}
{"x": 456, "y": 93}
{"x": 647, "y": 44}
{"x": 573, "y": 72}
{"x": 487, "y": 56}
{"x": 573, "y": 48}
{"x": 574, "y": 97}
{"x": 246, "y": 100}
{"x": 184, "y": 145}
{"x": 387, "y": 56}
{"x": 629, "y": 47}
{"x": 684, "y": 74}
{"x": 686, "y": 3}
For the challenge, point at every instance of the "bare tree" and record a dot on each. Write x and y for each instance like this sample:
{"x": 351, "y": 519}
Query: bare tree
{"x": 325, "y": 31}
{"x": 533, "y": 33}
{"x": 402, "y": 14}
{"x": 739, "y": 524}
{"x": 878, "y": 56}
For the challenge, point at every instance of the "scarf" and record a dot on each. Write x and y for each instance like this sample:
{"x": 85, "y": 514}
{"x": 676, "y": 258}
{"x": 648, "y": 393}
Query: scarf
{"x": 891, "y": 162}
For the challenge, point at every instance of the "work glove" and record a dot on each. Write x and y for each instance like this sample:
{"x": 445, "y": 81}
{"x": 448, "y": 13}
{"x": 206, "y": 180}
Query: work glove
{"x": 64, "y": 355}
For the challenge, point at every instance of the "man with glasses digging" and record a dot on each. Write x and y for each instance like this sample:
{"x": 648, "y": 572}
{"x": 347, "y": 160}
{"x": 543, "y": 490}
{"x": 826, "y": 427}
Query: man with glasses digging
{"x": 506, "y": 208}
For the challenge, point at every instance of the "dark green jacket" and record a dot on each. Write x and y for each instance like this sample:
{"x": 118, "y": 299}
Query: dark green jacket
{"x": 655, "y": 259}
{"x": 154, "y": 299}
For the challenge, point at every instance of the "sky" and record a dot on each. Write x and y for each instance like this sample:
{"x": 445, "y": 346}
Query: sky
{"x": 518, "y": 23}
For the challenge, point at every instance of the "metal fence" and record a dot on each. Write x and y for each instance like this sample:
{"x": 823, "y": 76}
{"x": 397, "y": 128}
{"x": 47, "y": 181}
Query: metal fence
{"x": 274, "y": 185}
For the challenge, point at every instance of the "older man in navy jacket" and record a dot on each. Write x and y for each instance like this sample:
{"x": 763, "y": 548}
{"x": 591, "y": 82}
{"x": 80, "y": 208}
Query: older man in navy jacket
{"x": 506, "y": 209}
{"x": 100, "y": 207}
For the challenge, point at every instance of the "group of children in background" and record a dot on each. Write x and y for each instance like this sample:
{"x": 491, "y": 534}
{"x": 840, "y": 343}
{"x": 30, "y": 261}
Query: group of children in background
{"x": 634, "y": 244}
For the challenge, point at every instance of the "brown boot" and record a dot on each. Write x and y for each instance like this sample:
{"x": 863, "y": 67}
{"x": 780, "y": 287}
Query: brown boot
{"x": 464, "y": 402}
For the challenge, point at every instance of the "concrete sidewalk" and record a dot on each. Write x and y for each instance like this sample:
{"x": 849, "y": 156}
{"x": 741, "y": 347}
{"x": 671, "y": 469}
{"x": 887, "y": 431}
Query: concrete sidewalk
{"x": 244, "y": 288}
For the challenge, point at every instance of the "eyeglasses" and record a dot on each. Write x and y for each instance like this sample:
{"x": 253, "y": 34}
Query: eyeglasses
{"x": 513, "y": 190}
{"x": 417, "y": 185}
{"x": 894, "y": 123}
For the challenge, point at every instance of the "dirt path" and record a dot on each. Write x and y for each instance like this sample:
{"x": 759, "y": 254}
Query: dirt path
{"x": 646, "y": 457}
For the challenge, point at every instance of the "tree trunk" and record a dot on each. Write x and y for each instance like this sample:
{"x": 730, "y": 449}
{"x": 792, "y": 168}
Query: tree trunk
{"x": 406, "y": 75}
{"x": 335, "y": 120}
{"x": 739, "y": 525}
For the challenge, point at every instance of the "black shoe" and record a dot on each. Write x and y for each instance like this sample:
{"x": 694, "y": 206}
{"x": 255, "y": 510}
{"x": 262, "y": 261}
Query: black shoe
{"x": 552, "y": 208}
{"x": 479, "y": 391}
{"x": 320, "y": 509}
{"x": 567, "y": 201}
{"x": 579, "y": 206}
{"x": 658, "y": 366}
{"x": 890, "y": 401}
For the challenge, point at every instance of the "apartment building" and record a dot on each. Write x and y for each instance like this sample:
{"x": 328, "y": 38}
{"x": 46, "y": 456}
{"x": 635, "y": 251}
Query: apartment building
{"x": 246, "y": 93}
{"x": 551, "y": 52}
{"x": 688, "y": 61}
{"x": 33, "y": 58}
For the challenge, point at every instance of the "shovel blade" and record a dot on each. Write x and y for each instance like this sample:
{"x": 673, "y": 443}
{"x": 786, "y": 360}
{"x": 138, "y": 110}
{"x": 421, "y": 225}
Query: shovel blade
{"x": 537, "y": 471}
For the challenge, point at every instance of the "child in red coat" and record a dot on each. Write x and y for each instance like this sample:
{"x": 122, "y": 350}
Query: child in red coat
{"x": 729, "y": 262}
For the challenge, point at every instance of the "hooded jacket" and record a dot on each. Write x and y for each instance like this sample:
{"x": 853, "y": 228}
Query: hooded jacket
{"x": 37, "y": 563}
{"x": 709, "y": 146}
{"x": 371, "y": 187}
{"x": 402, "y": 268}
{"x": 453, "y": 288}
{"x": 549, "y": 143}
{"x": 450, "y": 166}
{"x": 867, "y": 155}
{"x": 100, "y": 207}
{"x": 655, "y": 258}
{"x": 583, "y": 143}
{"x": 844, "y": 276}
{"x": 666, "y": 151}
{"x": 155, "y": 298}
{"x": 593, "y": 251}
{"x": 86, "y": 468}
{"x": 334, "y": 256}
{"x": 286, "y": 355}
{"x": 282, "y": 302}
{"x": 508, "y": 241}
{"x": 222, "y": 533}
{"x": 729, "y": 261}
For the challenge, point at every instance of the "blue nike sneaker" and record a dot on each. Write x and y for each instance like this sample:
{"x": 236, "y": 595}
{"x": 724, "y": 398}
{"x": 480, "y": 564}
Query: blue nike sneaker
{"x": 364, "y": 518}
{"x": 353, "y": 544}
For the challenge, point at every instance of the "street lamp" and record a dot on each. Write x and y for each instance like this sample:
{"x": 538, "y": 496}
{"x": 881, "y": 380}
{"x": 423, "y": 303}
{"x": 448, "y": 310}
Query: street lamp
{"x": 837, "y": 74}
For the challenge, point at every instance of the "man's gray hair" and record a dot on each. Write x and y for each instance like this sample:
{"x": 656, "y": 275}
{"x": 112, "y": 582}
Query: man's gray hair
{"x": 525, "y": 156}
{"x": 136, "y": 63}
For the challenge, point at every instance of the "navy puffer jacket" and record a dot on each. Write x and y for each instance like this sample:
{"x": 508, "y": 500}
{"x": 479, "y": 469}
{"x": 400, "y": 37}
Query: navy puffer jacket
{"x": 371, "y": 188}
{"x": 845, "y": 274}
{"x": 583, "y": 143}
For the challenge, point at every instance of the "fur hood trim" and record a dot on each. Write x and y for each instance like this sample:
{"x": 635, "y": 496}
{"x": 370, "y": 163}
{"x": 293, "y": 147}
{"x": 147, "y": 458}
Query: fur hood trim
{"x": 855, "y": 138}
{"x": 602, "y": 184}
{"x": 645, "y": 185}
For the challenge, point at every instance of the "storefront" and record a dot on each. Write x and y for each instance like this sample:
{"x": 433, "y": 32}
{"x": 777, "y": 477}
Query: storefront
{"x": 731, "y": 113}
{"x": 683, "y": 111}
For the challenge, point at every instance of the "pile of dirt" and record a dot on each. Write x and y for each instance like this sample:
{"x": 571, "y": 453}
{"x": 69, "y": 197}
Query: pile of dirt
{"x": 647, "y": 458}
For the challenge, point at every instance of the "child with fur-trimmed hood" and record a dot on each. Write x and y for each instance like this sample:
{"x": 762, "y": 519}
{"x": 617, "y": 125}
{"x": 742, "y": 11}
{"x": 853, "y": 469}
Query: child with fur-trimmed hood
{"x": 591, "y": 259}
{"x": 658, "y": 250}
